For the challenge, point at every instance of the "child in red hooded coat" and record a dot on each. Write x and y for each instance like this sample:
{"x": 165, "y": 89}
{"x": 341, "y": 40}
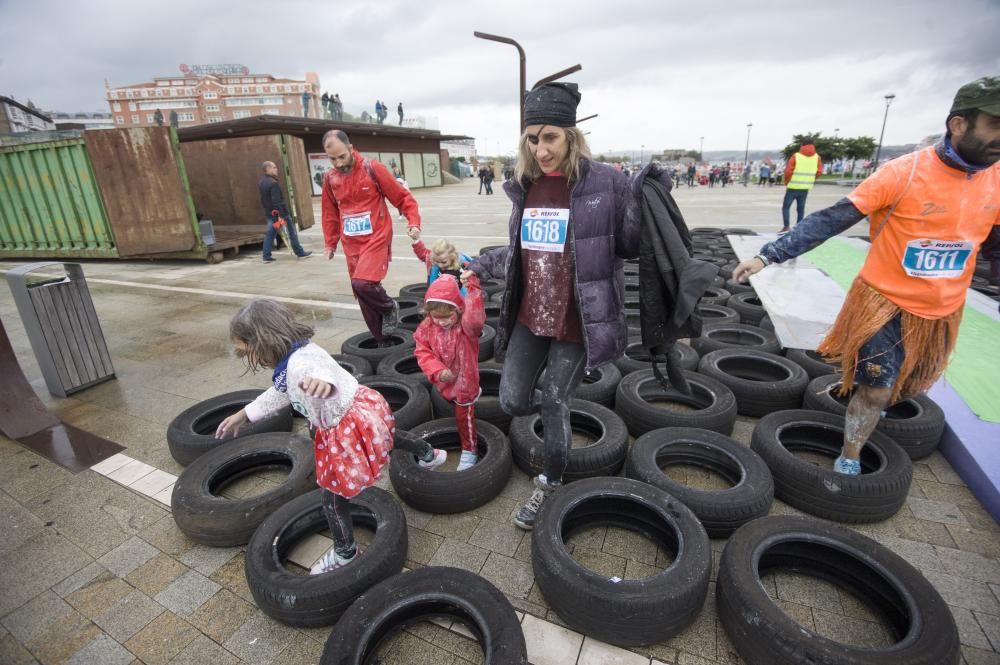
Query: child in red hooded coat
{"x": 448, "y": 351}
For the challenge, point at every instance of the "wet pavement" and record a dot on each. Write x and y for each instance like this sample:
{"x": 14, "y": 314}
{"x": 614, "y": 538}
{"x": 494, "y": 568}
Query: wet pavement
{"x": 94, "y": 570}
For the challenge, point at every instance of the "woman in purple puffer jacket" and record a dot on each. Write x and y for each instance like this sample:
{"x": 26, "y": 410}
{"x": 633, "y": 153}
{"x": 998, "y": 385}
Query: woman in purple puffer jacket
{"x": 573, "y": 223}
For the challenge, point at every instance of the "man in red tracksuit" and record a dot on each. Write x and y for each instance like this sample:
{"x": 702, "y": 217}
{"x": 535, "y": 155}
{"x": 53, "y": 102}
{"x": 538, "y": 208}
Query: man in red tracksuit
{"x": 448, "y": 352}
{"x": 355, "y": 213}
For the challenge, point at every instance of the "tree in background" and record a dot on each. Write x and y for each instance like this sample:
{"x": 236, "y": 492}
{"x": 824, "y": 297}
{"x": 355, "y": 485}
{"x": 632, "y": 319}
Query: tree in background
{"x": 831, "y": 148}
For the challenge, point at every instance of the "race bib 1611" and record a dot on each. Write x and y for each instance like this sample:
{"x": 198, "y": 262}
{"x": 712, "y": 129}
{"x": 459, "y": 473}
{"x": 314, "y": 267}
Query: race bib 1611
{"x": 936, "y": 258}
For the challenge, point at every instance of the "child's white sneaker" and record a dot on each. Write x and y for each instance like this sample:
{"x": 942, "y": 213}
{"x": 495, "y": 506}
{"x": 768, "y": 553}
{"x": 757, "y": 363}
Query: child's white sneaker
{"x": 467, "y": 461}
{"x": 331, "y": 561}
{"x": 440, "y": 457}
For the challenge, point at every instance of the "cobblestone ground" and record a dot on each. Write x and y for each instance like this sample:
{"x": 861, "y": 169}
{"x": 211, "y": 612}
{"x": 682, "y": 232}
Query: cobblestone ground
{"x": 94, "y": 570}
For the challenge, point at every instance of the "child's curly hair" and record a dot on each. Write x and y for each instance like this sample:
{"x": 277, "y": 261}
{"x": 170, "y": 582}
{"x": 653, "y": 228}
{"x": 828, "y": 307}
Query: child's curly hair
{"x": 269, "y": 330}
{"x": 444, "y": 249}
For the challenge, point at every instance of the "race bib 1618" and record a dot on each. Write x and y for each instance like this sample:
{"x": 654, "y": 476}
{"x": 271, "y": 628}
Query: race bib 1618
{"x": 936, "y": 258}
{"x": 544, "y": 229}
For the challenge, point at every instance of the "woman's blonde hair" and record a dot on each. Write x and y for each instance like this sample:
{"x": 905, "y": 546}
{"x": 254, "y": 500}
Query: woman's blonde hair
{"x": 444, "y": 248}
{"x": 269, "y": 330}
{"x": 527, "y": 168}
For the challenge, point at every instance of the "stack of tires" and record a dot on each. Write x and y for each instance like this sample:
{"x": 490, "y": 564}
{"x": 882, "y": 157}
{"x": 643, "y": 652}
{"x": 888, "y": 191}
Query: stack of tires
{"x": 631, "y": 431}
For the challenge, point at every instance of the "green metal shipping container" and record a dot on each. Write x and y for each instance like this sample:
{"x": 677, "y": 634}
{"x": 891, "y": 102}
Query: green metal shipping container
{"x": 50, "y": 203}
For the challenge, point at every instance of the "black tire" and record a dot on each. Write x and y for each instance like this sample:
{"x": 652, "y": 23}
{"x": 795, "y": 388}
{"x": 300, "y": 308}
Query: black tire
{"x": 208, "y": 518}
{"x": 403, "y": 363}
{"x": 407, "y": 398}
{"x": 487, "y": 340}
{"x": 429, "y": 592}
{"x": 622, "y": 612}
{"x": 192, "y": 433}
{"x": 811, "y": 362}
{"x": 762, "y": 632}
{"x": 491, "y": 286}
{"x": 488, "y": 404}
{"x": 602, "y": 458}
{"x": 720, "y": 512}
{"x": 735, "y": 336}
{"x": 493, "y": 312}
{"x": 738, "y": 231}
{"x": 409, "y": 304}
{"x": 636, "y": 357}
{"x": 451, "y": 491}
{"x": 714, "y": 296}
{"x": 712, "y": 231}
{"x": 599, "y": 385}
{"x": 411, "y": 321}
{"x": 497, "y": 298}
{"x": 761, "y": 382}
{"x": 875, "y": 495}
{"x": 713, "y": 404}
{"x": 726, "y": 271}
{"x": 414, "y": 291}
{"x": 358, "y": 367}
{"x": 766, "y": 324}
{"x": 915, "y": 423}
{"x": 319, "y": 600}
{"x": 748, "y": 306}
{"x": 365, "y": 346}
{"x": 715, "y": 314}
{"x": 737, "y": 287}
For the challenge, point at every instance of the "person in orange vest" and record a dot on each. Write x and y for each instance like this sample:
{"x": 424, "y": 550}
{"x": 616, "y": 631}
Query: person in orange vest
{"x": 801, "y": 172}
{"x": 930, "y": 213}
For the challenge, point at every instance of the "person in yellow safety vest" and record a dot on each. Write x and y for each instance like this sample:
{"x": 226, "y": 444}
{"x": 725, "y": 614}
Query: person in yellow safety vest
{"x": 801, "y": 172}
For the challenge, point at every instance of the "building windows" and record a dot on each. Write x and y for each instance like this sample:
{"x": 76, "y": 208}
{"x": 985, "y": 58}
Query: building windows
{"x": 211, "y": 94}
{"x": 116, "y": 106}
{"x": 159, "y": 93}
{"x": 150, "y": 117}
{"x": 185, "y": 117}
{"x": 213, "y": 119}
{"x": 135, "y": 118}
{"x": 131, "y": 106}
{"x": 212, "y": 108}
{"x": 120, "y": 119}
{"x": 246, "y": 90}
{"x": 240, "y": 114}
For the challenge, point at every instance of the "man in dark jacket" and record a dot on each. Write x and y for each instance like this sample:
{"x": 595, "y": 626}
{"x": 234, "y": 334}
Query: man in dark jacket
{"x": 272, "y": 200}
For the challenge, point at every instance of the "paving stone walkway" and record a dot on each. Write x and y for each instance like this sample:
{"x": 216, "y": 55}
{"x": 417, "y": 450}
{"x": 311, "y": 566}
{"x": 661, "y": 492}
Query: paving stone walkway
{"x": 94, "y": 570}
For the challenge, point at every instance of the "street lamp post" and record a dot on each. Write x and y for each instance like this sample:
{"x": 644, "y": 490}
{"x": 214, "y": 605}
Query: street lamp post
{"x": 520, "y": 51}
{"x": 746, "y": 157}
{"x": 642, "y": 153}
{"x": 701, "y": 149}
{"x": 878, "y": 152}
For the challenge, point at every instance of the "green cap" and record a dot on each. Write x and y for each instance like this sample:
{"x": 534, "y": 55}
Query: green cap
{"x": 982, "y": 95}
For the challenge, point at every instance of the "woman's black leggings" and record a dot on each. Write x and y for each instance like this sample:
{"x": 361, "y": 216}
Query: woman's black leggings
{"x": 563, "y": 362}
{"x": 337, "y": 509}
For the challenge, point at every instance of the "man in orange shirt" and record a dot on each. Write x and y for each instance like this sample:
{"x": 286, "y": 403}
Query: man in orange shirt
{"x": 930, "y": 212}
{"x": 355, "y": 213}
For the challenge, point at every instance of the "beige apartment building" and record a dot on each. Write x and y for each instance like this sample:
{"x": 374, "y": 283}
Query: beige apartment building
{"x": 212, "y": 93}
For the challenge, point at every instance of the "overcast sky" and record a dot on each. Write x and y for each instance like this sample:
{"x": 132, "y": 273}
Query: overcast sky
{"x": 659, "y": 73}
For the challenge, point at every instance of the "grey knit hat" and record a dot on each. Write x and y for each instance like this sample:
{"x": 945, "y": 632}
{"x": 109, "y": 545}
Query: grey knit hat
{"x": 552, "y": 104}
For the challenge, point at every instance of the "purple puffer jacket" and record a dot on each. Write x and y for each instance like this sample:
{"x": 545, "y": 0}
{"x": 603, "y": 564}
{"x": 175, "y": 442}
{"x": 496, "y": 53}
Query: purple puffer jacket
{"x": 604, "y": 229}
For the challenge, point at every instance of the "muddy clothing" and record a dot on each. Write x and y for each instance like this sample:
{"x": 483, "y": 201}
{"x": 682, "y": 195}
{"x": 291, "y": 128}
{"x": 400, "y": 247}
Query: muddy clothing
{"x": 602, "y": 229}
{"x": 548, "y": 304}
{"x": 355, "y": 214}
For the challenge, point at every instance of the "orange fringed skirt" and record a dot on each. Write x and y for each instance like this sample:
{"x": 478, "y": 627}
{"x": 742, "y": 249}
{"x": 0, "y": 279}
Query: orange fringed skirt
{"x": 927, "y": 343}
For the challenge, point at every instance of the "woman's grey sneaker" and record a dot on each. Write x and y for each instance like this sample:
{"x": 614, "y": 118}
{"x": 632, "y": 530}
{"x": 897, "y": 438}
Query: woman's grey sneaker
{"x": 525, "y": 517}
{"x": 331, "y": 561}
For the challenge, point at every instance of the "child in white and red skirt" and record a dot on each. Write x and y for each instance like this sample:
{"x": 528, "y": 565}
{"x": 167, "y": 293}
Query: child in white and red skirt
{"x": 355, "y": 428}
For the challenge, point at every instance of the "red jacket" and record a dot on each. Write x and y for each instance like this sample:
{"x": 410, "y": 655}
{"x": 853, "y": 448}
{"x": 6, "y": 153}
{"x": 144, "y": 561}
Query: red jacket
{"x": 808, "y": 150}
{"x": 457, "y": 348}
{"x": 354, "y": 193}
